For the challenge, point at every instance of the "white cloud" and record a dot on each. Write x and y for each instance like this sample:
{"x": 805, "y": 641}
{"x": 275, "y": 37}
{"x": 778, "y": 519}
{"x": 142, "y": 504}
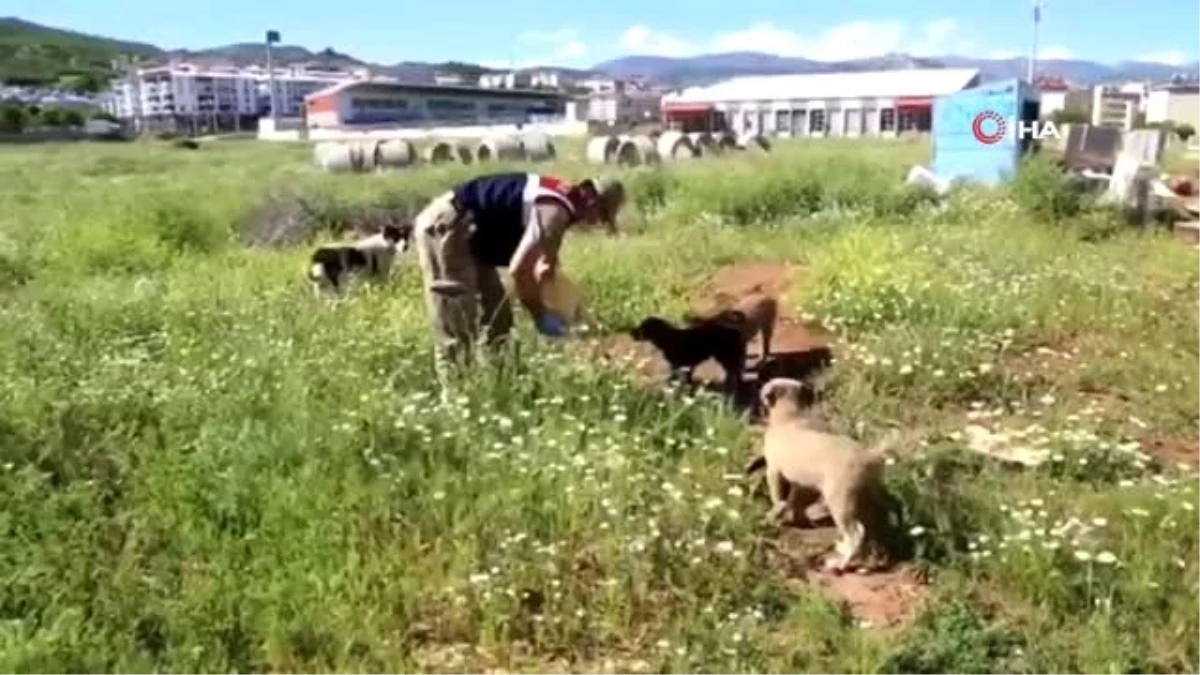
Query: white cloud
{"x": 1049, "y": 52}
{"x": 643, "y": 40}
{"x": 560, "y": 47}
{"x": 851, "y": 40}
{"x": 1055, "y": 52}
{"x": 570, "y": 51}
{"x": 1172, "y": 58}
{"x": 856, "y": 39}
{"x": 549, "y": 36}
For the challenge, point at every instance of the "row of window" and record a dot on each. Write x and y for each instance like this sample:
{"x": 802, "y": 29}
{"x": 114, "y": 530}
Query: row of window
{"x": 817, "y": 121}
{"x": 440, "y": 107}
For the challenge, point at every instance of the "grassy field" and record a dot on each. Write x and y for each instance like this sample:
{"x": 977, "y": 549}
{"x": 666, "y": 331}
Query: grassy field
{"x": 204, "y": 469}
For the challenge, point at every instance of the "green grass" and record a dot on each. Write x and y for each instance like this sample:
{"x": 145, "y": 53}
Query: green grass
{"x": 203, "y": 469}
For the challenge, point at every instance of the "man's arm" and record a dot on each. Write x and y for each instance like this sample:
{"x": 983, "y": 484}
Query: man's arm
{"x": 543, "y": 235}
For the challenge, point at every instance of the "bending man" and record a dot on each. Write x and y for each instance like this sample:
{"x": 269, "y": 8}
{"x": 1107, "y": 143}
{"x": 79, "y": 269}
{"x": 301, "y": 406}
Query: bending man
{"x": 513, "y": 220}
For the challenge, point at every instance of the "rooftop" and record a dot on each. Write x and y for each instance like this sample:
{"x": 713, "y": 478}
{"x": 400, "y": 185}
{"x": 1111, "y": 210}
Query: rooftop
{"x": 387, "y": 84}
{"x": 884, "y": 83}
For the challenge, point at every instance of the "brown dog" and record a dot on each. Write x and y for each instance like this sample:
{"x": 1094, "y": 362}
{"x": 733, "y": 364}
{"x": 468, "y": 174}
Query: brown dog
{"x": 804, "y": 459}
{"x": 752, "y": 315}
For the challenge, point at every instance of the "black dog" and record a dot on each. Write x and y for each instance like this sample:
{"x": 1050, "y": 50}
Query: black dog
{"x": 686, "y": 348}
{"x": 370, "y": 256}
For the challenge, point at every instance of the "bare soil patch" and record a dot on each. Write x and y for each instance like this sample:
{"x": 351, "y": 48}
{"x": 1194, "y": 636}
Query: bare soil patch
{"x": 1174, "y": 450}
{"x": 799, "y": 349}
{"x": 885, "y": 599}
{"x": 876, "y": 598}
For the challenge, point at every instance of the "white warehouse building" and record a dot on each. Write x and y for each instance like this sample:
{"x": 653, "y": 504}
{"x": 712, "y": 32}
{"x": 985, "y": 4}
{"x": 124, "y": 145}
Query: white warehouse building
{"x": 874, "y": 103}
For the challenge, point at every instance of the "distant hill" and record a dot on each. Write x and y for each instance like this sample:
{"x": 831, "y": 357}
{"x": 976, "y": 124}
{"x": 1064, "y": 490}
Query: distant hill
{"x": 707, "y": 68}
{"x": 37, "y": 55}
{"x": 40, "y": 55}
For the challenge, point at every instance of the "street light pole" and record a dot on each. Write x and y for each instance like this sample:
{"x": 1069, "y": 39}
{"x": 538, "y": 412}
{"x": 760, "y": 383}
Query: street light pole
{"x": 272, "y": 38}
{"x": 1033, "y": 54}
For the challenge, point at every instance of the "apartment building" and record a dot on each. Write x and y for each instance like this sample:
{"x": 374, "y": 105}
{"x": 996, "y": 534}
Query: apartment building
{"x": 184, "y": 96}
{"x": 527, "y": 79}
{"x": 1116, "y": 107}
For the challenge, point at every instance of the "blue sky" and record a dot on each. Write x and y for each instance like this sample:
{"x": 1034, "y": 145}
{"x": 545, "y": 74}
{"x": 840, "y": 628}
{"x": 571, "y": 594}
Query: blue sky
{"x": 586, "y": 32}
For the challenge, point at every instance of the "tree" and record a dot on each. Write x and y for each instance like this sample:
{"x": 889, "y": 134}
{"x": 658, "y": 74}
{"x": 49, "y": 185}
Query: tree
{"x": 13, "y": 118}
{"x": 1065, "y": 116}
{"x": 51, "y": 117}
{"x": 1185, "y": 131}
{"x": 72, "y": 118}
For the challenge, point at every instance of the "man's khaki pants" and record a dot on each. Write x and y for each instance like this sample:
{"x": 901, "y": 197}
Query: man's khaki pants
{"x": 457, "y": 287}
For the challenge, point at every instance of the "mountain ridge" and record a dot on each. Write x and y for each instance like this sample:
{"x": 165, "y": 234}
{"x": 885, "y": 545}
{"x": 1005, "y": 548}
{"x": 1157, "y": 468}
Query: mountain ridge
{"x": 32, "y": 53}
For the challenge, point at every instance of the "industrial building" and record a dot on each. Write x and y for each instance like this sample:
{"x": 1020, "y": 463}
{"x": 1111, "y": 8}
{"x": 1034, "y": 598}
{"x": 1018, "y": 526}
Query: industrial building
{"x": 1177, "y": 104}
{"x": 183, "y": 95}
{"x": 1057, "y": 96}
{"x": 388, "y": 102}
{"x": 875, "y": 103}
{"x": 624, "y": 104}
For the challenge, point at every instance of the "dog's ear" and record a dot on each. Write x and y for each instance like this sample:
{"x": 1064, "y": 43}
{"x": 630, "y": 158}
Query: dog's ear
{"x": 769, "y": 393}
{"x": 776, "y": 389}
{"x": 393, "y": 233}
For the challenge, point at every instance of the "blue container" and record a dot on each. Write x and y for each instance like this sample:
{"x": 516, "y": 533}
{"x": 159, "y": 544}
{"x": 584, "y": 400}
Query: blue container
{"x": 967, "y": 139}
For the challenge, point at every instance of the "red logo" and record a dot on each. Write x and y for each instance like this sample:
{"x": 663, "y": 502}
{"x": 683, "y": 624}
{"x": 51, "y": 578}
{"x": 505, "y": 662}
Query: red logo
{"x": 989, "y": 127}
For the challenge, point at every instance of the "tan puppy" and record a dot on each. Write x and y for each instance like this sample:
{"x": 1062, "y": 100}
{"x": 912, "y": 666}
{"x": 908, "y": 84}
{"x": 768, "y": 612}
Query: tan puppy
{"x": 753, "y": 314}
{"x": 804, "y": 459}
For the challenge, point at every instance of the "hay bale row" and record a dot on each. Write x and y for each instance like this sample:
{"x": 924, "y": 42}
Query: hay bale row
{"x": 602, "y": 149}
{"x": 363, "y": 156}
{"x": 637, "y": 151}
{"x": 667, "y": 146}
{"x": 675, "y": 146}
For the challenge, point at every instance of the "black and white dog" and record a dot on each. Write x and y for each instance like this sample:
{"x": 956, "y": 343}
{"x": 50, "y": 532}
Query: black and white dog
{"x": 370, "y": 257}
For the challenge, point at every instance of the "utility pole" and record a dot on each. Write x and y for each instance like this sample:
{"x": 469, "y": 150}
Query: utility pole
{"x": 1033, "y": 54}
{"x": 272, "y": 38}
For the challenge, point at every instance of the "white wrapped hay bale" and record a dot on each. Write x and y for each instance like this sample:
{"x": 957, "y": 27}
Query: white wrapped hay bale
{"x": 337, "y": 157}
{"x": 756, "y": 142}
{"x": 500, "y": 149}
{"x": 439, "y": 152}
{"x": 365, "y": 154}
{"x": 674, "y": 146}
{"x": 704, "y": 143}
{"x": 463, "y": 153}
{"x": 602, "y": 149}
{"x": 538, "y": 148}
{"x": 394, "y": 153}
{"x": 725, "y": 141}
{"x": 637, "y": 151}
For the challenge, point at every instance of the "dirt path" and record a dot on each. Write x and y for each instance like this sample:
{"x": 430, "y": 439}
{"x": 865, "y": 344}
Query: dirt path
{"x": 880, "y": 599}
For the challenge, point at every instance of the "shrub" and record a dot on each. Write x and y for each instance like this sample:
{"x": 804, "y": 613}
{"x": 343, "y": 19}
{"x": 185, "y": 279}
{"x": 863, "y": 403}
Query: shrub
{"x": 1045, "y": 192}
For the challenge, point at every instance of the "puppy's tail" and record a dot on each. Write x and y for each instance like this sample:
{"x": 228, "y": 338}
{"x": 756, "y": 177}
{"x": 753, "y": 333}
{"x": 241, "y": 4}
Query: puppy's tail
{"x": 759, "y": 462}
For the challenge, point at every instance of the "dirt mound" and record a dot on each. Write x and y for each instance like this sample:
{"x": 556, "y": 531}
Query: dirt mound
{"x": 879, "y": 599}
{"x": 1175, "y": 450}
{"x": 736, "y": 281}
{"x": 798, "y": 349}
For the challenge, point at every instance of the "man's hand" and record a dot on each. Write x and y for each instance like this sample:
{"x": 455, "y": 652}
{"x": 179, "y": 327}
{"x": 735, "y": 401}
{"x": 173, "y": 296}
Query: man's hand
{"x": 552, "y": 325}
{"x": 545, "y": 270}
